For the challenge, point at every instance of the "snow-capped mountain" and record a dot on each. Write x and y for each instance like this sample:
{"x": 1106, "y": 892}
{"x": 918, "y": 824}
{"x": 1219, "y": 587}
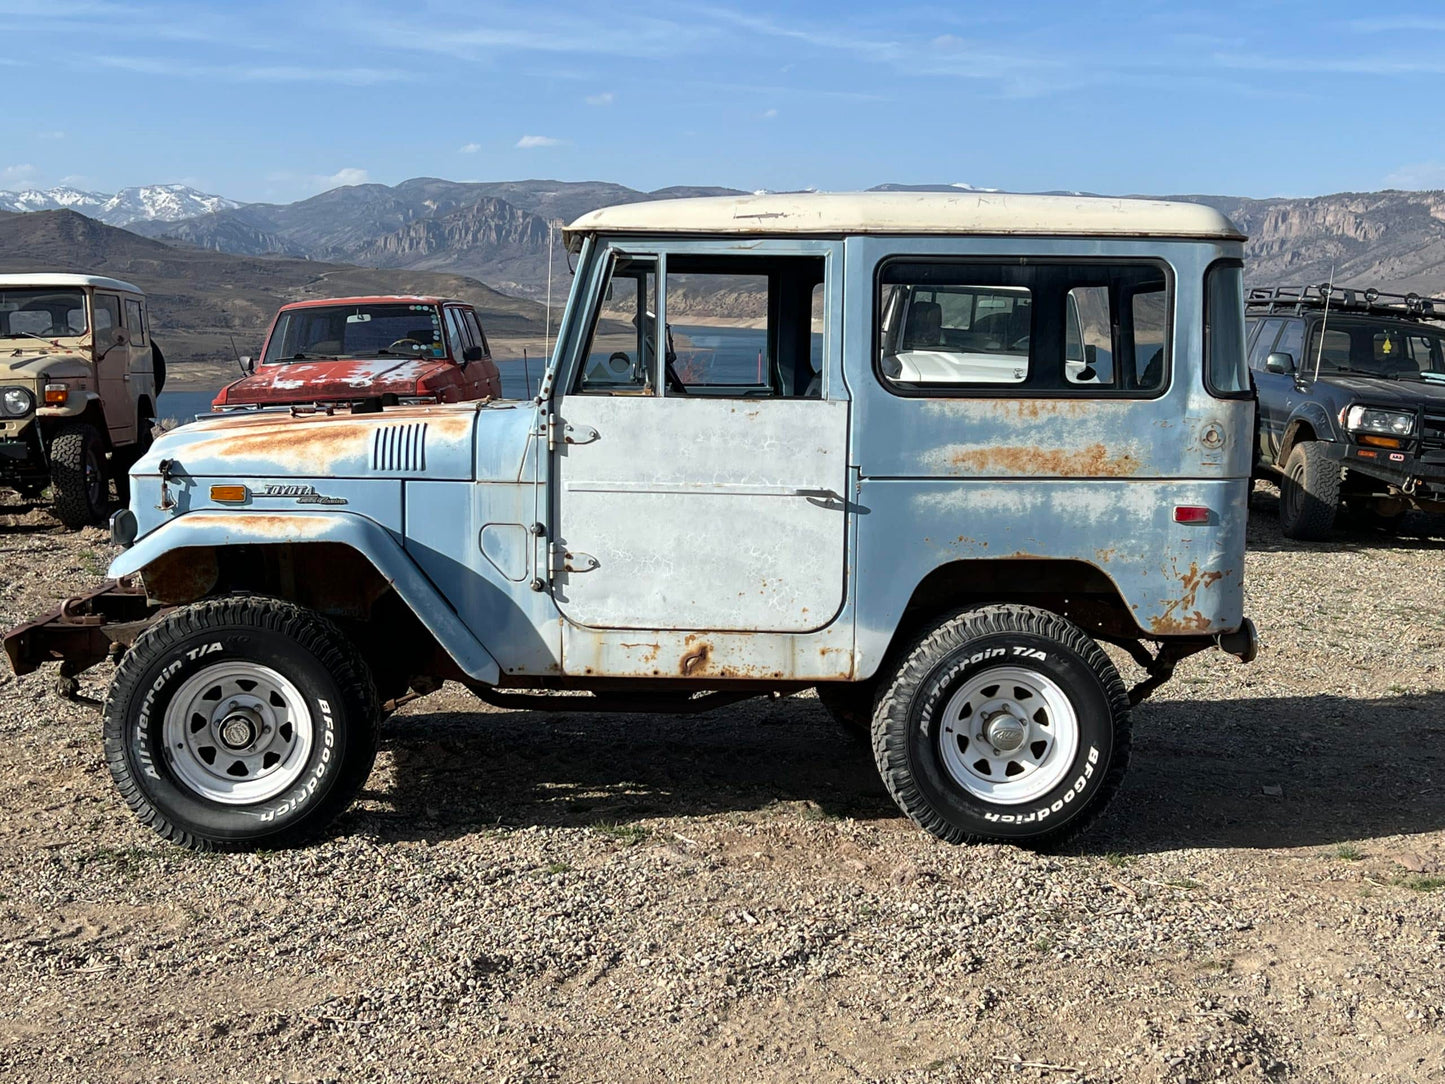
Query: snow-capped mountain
{"x": 143, "y": 203}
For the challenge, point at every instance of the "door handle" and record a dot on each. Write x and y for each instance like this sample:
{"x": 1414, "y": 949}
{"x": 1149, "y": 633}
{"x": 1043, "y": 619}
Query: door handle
{"x": 820, "y": 494}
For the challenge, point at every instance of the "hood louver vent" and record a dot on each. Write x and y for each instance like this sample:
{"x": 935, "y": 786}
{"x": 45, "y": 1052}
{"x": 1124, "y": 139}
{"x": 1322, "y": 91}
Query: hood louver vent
{"x": 399, "y": 447}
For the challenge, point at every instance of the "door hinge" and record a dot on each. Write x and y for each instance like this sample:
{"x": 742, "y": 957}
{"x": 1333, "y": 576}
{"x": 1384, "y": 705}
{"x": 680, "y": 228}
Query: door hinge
{"x": 560, "y": 559}
{"x": 557, "y": 429}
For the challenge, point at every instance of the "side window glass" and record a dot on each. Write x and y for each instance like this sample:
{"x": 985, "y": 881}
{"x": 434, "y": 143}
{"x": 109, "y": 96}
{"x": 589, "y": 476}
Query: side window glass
{"x": 469, "y": 320}
{"x": 1291, "y": 341}
{"x": 1225, "y": 371}
{"x": 1088, "y": 337}
{"x": 1264, "y": 343}
{"x": 456, "y": 337}
{"x": 946, "y": 327}
{"x": 743, "y": 326}
{"x": 620, "y": 357}
{"x": 134, "y": 323}
{"x": 107, "y": 316}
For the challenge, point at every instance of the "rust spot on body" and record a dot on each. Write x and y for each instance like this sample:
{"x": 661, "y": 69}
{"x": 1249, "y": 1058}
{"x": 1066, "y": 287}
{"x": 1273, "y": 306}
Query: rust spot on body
{"x": 1182, "y": 615}
{"x": 1093, "y": 461}
{"x": 695, "y": 659}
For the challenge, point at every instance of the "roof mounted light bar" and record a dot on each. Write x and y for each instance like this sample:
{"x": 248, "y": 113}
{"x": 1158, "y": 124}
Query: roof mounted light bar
{"x": 1296, "y": 299}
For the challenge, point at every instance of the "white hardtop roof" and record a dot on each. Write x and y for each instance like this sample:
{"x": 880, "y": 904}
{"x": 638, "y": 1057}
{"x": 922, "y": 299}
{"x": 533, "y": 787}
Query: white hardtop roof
{"x": 982, "y": 213}
{"x": 42, "y": 278}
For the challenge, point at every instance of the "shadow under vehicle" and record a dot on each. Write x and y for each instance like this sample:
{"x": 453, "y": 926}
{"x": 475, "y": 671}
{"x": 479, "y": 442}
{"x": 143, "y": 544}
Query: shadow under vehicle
{"x": 79, "y": 378}
{"x": 939, "y": 549}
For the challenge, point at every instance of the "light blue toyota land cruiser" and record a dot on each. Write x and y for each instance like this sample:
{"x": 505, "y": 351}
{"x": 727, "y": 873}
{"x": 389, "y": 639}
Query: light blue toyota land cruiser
{"x": 922, "y": 453}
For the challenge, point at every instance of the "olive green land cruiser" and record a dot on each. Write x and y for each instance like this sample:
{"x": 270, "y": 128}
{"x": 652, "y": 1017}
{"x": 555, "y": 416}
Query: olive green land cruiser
{"x": 79, "y": 379}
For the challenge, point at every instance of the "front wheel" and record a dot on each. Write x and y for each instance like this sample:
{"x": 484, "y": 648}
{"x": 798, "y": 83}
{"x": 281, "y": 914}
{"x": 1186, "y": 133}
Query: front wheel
{"x": 78, "y": 485}
{"x": 239, "y": 722}
{"x": 1309, "y": 493}
{"x": 1003, "y": 724}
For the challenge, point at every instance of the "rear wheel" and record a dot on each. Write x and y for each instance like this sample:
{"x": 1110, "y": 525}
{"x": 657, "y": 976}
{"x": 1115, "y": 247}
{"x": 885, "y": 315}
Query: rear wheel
{"x": 1309, "y": 493}
{"x": 239, "y": 722}
{"x": 78, "y": 486}
{"x": 1005, "y": 723}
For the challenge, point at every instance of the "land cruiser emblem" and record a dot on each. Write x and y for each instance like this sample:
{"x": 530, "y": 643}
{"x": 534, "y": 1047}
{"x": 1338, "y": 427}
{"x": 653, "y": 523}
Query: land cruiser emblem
{"x": 301, "y": 494}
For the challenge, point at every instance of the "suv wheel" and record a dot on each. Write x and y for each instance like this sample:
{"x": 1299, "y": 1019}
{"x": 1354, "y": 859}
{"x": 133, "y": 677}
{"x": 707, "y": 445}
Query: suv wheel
{"x": 78, "y": 484}
{"x": 1309, "y": 493}
{"x": 238, "y": 722}
{"x": 1005, "y": 723}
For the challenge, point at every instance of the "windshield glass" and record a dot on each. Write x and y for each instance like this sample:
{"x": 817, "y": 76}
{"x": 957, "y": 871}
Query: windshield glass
{"x": 49, "y": 313}
{"x": 1377, "y": 348}
{"x": 398, "y": 329}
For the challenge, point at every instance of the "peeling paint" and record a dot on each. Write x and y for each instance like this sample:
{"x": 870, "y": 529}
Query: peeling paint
{"x": 1092, "y": 461}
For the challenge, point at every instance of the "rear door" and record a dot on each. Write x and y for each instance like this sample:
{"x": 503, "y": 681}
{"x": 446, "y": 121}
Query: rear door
{"x": 114, "y": 361}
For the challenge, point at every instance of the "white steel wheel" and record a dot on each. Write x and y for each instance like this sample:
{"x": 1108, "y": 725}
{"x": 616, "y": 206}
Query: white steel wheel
{"x": 1008, "y": 735}
{"x": 238, "y": 733}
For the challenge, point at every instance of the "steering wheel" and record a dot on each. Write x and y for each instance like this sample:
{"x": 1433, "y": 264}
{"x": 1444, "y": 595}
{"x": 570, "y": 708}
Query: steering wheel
{"x": 404, "y": 343}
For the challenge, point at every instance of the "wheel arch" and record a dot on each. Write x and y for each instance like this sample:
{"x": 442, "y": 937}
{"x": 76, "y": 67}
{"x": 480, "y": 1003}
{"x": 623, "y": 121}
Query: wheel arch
{"x": 340, "y": 565}
{"x": 1309, "y": 422}
{"x": 1077, "y": 590}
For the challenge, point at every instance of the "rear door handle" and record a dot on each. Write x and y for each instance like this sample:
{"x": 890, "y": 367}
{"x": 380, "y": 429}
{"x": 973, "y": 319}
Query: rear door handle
{"x": 820, "y": 494}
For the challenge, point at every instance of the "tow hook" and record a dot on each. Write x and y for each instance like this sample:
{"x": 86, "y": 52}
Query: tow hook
{"x": 1242, "y": 643}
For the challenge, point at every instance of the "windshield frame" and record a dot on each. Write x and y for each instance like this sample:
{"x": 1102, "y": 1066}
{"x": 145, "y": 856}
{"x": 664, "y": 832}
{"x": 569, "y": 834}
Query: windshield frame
{"x": 7, "y": 294}
{"x": 408, "y": 316}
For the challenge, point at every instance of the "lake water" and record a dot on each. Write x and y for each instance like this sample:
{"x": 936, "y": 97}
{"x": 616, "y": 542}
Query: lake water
{"x": 719, "y": 355}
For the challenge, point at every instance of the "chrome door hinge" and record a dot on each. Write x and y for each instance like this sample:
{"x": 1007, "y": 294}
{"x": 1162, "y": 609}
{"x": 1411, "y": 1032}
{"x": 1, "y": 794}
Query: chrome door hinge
{"x": 557, "y": 429}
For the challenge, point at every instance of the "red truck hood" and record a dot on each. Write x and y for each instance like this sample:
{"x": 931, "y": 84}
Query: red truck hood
{"x": 312, "y": 381}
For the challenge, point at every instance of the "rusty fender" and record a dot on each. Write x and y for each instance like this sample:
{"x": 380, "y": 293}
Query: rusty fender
{"x": 203, "y": 529}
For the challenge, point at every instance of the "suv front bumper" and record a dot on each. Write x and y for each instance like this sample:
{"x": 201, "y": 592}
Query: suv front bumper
{"x": 1417, "y": 474}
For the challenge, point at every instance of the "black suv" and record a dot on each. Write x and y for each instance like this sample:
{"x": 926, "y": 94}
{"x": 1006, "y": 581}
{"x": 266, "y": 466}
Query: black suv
{"x": 1351, "y": 387}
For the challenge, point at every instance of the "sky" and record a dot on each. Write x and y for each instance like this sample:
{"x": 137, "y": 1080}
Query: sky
{"x": 270, "y": 101}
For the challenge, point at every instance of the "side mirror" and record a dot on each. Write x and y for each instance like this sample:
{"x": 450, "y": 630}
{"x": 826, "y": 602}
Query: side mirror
{"x": 471, "y": 354}
{"x": 1091, "y": 355}
{"x": 248, "y": 365}
{"x": 119, "y": 336}
{"x": 1279, "y": 363}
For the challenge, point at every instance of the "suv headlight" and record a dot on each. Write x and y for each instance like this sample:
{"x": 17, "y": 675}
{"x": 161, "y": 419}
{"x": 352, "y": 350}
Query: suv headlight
{"x": 1363, "y": 419}
{"x": 16, "y": 402}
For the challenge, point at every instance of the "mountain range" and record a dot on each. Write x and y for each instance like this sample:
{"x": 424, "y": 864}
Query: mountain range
{"x": 203, "y": 302}
{"x": 144, "y": 203}
{"x": 497, "y": 231}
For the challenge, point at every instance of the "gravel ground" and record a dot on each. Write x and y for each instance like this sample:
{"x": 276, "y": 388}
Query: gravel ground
{"x": 733, "y": 896}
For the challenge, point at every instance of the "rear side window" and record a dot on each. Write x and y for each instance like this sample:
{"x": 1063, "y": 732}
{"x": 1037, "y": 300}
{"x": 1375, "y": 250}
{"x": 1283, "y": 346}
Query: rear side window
{"x": 134, "y": 322}
{"x": 1264, "y": 343}
{"x": 968, "y": 328}
{"x": 1225, "y": 371}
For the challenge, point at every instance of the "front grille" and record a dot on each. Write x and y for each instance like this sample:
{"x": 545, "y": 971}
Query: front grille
{"x": 1432, "y": 432}
{"x": 399, "y": 447}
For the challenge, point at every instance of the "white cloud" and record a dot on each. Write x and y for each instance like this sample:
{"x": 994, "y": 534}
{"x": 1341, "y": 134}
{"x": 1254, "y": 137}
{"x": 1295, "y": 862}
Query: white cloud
{"x": 469, "y": 148}
{"x": 1421, "y": 175}
{"x": 349, "y": 175}
{"x": 531, "y": 142}
{"x": 768, "y": 114}
{"x": 17, "y": 174}
{"x": 53, "y": 136}
{"x": 605, "y": 98}
{"x": 257, "y": 73}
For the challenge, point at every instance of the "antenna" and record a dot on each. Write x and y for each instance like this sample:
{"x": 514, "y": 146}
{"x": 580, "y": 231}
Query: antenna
{"x": 526, "y": 372}
{"x": 237, "y": 354}
{"x": 547, "y": 331}
{"x": 1325, "y": 321}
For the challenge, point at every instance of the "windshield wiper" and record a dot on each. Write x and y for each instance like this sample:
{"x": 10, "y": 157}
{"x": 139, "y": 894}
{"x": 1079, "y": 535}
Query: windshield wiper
{"x": 301, "y": 355}
{"x": 1350, "y": 369}
{"x": 31, "y": 334}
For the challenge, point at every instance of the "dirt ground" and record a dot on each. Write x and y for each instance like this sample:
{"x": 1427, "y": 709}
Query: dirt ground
{"x": 733, "y": 897}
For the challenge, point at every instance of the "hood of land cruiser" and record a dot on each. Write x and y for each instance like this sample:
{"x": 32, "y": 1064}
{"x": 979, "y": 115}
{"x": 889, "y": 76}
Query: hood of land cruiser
{"x": 409, "y": 442}
{"x": 23, "y": 363}
{"x": 333, "y": 381}
{"x": 1379, "y": 391}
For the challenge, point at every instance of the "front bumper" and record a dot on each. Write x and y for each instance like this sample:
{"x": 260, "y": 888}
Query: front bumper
{"x": 81, "y": 631}
{"x": 1414, "y": 473}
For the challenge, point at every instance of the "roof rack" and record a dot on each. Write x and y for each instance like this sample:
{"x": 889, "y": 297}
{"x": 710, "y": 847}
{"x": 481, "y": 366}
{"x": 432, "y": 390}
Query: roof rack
{"x": 1296, "y": 299}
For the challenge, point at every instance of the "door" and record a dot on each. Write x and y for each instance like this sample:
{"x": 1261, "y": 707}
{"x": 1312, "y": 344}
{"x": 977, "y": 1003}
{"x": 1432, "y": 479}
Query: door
{"x": 113, "y": 364}
{"x": 1277, "y": 392}
{"x": 704, "y": 486}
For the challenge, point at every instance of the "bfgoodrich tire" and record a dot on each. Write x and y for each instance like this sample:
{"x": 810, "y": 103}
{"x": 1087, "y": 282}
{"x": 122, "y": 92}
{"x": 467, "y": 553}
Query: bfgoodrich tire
{"x": 1309, "y": 493}
{"x": 240, "y": 722}
{"x": 1003, "y": 724}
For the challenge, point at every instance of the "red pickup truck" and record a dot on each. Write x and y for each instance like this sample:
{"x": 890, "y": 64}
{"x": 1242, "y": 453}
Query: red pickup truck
{"x": 348, "y": 349}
